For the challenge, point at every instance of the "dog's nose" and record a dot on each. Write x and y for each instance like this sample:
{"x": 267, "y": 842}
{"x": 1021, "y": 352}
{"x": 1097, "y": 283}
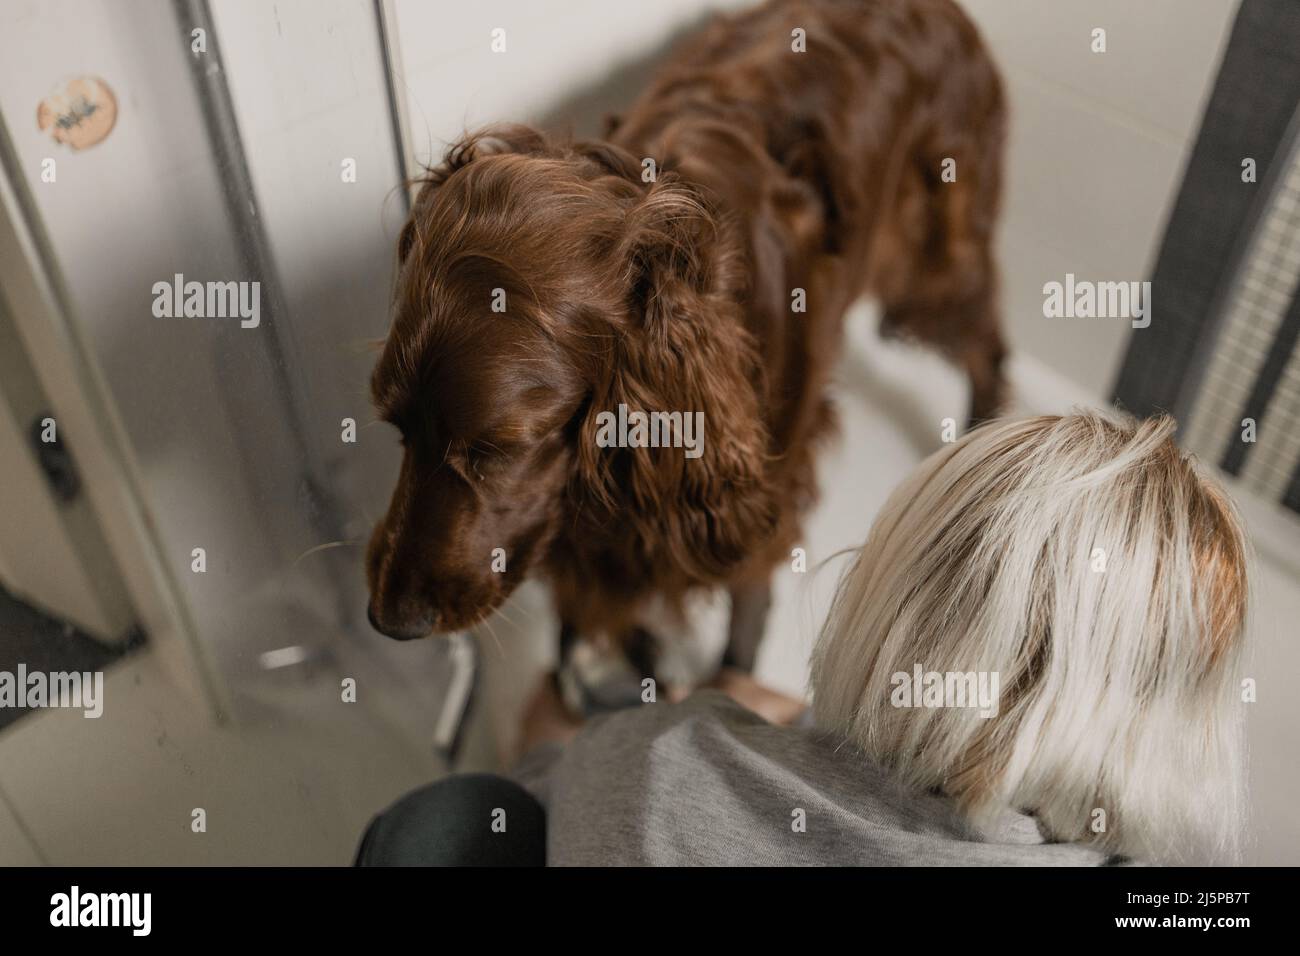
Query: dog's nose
{"x": 404, "y": 631}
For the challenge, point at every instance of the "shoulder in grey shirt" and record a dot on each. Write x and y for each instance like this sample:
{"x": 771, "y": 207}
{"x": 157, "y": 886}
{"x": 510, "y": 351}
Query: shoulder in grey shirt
{"x": 707, "y": 782}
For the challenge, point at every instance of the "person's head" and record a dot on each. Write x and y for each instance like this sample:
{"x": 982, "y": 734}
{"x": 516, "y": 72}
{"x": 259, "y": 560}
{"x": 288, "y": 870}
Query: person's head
{"x": 1084, "y": 572}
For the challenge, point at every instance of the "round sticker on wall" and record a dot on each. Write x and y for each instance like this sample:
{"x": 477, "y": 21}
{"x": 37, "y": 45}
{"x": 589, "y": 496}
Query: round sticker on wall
{"x": 80, "y": 113}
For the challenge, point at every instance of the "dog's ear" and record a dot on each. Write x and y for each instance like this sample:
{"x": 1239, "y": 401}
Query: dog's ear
{"x": 490, "y": 141}
{"x": 685, "y": 351}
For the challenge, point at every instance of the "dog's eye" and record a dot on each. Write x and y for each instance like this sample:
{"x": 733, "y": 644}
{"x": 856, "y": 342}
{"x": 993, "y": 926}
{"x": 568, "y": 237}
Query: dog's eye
{"x": 483, "y": 458}
{"x": 478, "y": 459}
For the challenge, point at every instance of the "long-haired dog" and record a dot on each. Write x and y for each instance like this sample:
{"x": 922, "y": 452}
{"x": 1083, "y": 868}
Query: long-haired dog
{"x": 783, "y": 163}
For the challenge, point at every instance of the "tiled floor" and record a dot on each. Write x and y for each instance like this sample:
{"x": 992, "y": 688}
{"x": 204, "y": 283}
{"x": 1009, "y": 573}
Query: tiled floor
{"x": 294, "y": 776}
{"x": 293, "y": 781}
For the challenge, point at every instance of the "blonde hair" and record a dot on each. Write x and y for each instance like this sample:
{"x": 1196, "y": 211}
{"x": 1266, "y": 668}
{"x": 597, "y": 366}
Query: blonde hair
{"x": 1090, "y": 565}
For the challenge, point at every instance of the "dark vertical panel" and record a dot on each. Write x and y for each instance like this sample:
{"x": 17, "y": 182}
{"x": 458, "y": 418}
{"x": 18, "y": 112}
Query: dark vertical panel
{"x": 1248, "y": 115}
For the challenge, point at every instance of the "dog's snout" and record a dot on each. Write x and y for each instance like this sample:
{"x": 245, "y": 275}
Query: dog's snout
{"x": 421, "y": 584}
{"x": 404, "y": 630}
{"x": 394, "y": 609}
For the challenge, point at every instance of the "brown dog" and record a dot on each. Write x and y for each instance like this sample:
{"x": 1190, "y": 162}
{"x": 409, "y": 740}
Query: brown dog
{"x": 785, "y": 162}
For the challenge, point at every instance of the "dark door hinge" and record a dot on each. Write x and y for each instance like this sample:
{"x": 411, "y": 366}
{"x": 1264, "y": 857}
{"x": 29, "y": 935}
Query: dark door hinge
{"x": 54, "y": 458}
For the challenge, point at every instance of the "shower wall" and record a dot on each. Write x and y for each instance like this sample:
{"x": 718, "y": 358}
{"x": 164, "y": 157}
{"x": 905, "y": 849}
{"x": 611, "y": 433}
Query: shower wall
{"x": 243, "y": 435}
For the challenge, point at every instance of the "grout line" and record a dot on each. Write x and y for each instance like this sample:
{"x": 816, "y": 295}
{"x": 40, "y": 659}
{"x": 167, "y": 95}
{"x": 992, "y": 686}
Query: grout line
{"x": 1098, "y": 106}
{"x": 23, "y": 828}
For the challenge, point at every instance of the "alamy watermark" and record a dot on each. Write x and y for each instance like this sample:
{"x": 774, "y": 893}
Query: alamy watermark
{"x": 635, "y": 429}
{"x": 62, "y": 689}
{"x": 1082, "y": 299}
{"x": 923, "y": 688}
{"x": 75, "y": 908}
{"x": 179, "y": 299}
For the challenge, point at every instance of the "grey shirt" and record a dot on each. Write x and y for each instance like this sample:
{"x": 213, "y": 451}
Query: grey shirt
{"x": 707, "y": 782}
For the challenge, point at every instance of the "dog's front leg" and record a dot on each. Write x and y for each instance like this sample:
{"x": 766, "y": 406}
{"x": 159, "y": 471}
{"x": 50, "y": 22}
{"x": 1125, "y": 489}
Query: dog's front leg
{"x": 562, "y": 677}
{"x": 585, "y": 690}
{"x": 568, "y": 641}
{"x": 750, "y": 603}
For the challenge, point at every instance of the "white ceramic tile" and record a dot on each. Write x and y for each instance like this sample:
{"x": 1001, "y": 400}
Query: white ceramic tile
{"x": 1085, "y": 351}
{"x": 454, "y": 81}
{"x": 475, "y": 87}
{"x": 434, "y": 32}
{"x": 1084, "y": 183}
{"x": 580, "y": 33}
{"x": 1274, "y": 767}
{"x": 16, "y": 847}
{"x": 293, "y": 782}
{"x": 1161, "y": 55}
{"x": 334, "y": 43}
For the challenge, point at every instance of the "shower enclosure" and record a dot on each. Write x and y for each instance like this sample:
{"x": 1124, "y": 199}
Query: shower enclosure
{"x": 228, "y": 470}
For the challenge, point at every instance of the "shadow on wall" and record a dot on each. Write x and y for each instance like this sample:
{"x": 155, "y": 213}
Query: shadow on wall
{"x": 583, "y": 112}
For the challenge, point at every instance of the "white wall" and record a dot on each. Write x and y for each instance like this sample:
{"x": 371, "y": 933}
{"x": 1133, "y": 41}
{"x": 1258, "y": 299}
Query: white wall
{"x": 1097, "y": 149}
{"x": 307, "y": 81}
{"x": 555, "y": 51}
